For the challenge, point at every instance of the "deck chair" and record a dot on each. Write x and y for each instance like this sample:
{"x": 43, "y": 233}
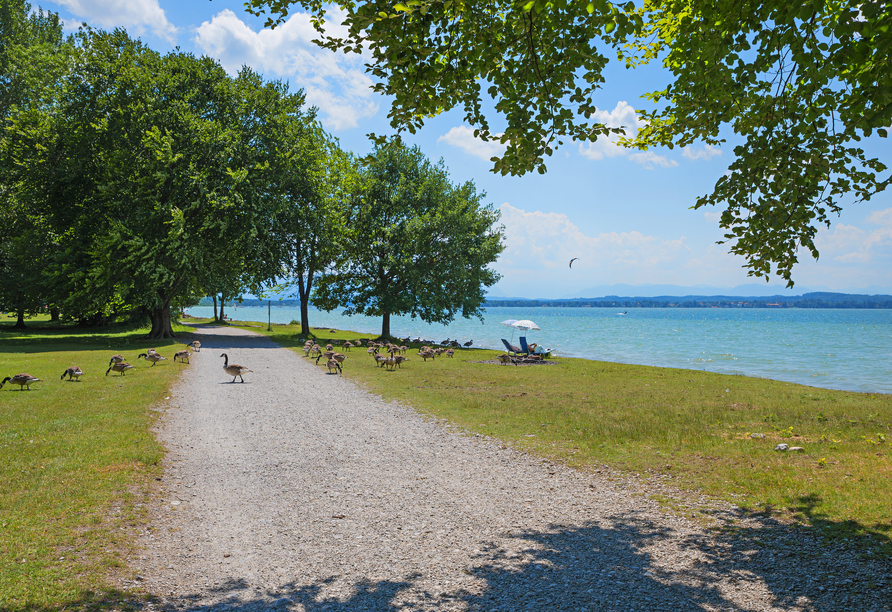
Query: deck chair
{"x": 511, "y": 348}
{"x": 526, "y": 349}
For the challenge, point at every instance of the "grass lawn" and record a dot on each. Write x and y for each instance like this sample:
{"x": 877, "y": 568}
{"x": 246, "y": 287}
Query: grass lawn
{"x": 76, "y": 460}
{"x": 656, "y": 422}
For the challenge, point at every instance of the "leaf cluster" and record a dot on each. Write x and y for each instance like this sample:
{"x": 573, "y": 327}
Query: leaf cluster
{"x": 539, "y": 61}
{"x": 802, "y": 84}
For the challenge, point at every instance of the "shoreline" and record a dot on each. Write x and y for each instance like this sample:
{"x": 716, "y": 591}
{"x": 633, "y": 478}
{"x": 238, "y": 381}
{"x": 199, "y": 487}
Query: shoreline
{"x": 851, "y": 358}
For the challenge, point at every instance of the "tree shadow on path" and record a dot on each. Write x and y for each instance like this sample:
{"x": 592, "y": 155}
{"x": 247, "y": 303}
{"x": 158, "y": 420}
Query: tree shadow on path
{"x": 625, "y": 563}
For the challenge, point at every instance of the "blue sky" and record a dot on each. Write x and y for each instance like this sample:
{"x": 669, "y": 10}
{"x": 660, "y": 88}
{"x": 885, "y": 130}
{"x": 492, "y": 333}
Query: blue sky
{"x": 625, "y": 215}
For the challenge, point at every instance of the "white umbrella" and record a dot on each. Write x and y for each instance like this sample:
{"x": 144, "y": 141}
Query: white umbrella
{"x": 525, "y": 325}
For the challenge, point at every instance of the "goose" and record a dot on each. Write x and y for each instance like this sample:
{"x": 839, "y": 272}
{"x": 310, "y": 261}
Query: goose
{"x": 400, "y": 359}
{"x": 196, "y": 346}
{"x": 327, "y": 355}
{"x": 21, "y": 380}
{"x": 152, "y": 356}
{"x": 505, "y": 358}
{"x": 120, "y": 366}
{"x": 182, "y": 356}
{"x": 348, "y": 345}
{"x": 234, "y": 370}
{"x": 115, "y": 359}
{"x": 450, "y": 352}
{"x": 333, "y": 365}
{"x": 468, "y": 344}
{"x": 73, "y": 372}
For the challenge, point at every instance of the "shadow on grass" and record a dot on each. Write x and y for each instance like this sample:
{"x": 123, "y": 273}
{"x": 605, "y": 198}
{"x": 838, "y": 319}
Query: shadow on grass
{"x": 53, "y": 339}
{"x": 626, "y": 563}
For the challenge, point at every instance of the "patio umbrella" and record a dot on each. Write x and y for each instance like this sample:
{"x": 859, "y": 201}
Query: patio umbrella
{"x": 524, "y": 325}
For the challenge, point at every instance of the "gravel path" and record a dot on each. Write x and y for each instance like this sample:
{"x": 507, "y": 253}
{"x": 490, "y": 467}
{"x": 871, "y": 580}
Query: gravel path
{"x": 298, "y": 491}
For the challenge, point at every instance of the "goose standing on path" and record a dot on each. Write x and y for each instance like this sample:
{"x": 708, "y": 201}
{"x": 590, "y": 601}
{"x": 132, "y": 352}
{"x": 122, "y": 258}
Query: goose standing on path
{"x": 21, "y": 380}
{"x": 73, "y": 372}
{"x": 234, "y": 370}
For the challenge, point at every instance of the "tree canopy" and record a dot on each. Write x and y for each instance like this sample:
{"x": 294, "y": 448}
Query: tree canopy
{"x": 152, "y": 173}
{"x": 801, "y": 83}
{"x": 414, "y": 243}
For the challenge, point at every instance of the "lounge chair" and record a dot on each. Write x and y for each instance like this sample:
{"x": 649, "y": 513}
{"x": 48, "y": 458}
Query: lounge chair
{"x": 511, "y": 348}
{"x": 526, "y": 349}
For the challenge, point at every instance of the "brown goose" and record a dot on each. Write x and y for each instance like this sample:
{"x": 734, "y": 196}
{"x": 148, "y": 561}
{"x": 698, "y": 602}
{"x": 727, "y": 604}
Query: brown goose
{"x": 151, "y": 356}
{"x": 234, "y": 370}
{"x": 121, "y": 366}
{"x": 196, "y": 346}
{"x": 115, "y": 359}
{"x": 73, "y": 372}
{"x": 21, "y": 380}
{"x": 182, "y": 356}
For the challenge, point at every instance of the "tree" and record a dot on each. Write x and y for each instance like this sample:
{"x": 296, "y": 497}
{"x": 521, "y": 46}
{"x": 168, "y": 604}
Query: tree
{"x": 316, "y": 191}
{"x": 152, "y": 169}
{"x": 800, "y": 83}
{"x": 414, "y": 245}
{"x": 33, "y": 53}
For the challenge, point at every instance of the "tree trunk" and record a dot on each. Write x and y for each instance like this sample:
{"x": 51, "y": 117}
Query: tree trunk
{"x": 20, "y": 319}
{"x": 54, "y": 313}
{"x": 222, "y": 304}
{"x": 216, "y": 318}
{"x": 161, "y": 328}
{"x": 304, "y": 293}
{"x": 385, "y": 326}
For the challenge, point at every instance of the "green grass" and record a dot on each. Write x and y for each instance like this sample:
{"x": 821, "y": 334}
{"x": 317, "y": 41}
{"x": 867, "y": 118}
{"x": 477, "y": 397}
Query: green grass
{"x": 694, "y": 426}
{"x": 76, "y": 461}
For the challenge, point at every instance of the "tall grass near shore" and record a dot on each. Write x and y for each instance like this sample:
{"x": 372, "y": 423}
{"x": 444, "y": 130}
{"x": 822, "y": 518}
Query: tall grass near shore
{"x": 76, "y": 459}
{"x": 696, "y": 430}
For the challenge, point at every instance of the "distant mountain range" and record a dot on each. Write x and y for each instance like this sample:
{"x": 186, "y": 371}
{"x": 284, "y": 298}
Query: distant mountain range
{"x": 758, "y": 290}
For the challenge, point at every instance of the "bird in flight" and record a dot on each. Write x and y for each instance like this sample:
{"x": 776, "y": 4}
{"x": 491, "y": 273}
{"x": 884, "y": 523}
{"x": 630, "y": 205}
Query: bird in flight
{"x": 572, "y": 260}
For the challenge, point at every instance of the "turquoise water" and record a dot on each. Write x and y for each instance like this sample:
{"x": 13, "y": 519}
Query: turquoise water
{"x": 835, "y": 349}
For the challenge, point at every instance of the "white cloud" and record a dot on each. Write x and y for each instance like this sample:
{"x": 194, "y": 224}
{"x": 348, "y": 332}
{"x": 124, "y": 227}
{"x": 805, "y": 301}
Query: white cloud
{"x": 848, "y": 244}
{"x": 545, "y": 242}
{"x": 881, "y": 217}
{"x": 712, "y": 217}
{"x": 707, "y": 152}
{"x": 463, "y": 137}
{"x": 625, "y": 117}
{"x": 334, "y": 82}
{"x": 649, "y": 159}
{"x": 134, "y": 15}
{"x": 71, "y": 25}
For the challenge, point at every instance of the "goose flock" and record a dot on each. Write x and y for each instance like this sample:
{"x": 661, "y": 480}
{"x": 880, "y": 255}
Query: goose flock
{"x": 393, "y": 357}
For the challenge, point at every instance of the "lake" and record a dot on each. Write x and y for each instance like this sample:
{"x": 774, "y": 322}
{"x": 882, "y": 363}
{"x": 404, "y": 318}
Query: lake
{"x": 831, "y": 348}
